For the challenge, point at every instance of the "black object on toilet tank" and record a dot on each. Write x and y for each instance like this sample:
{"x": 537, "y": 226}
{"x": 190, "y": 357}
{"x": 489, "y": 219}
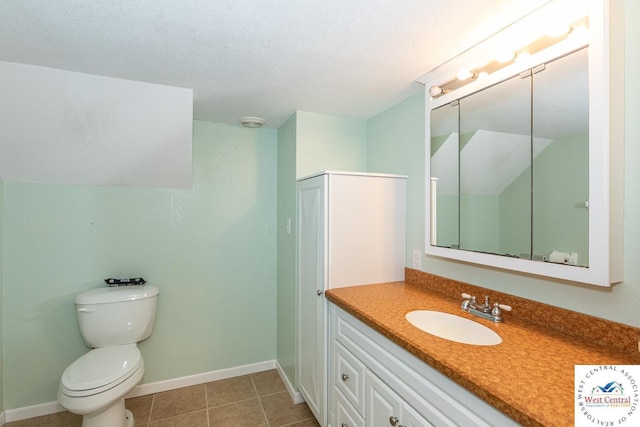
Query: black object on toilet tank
{"x": 125, "y": 282}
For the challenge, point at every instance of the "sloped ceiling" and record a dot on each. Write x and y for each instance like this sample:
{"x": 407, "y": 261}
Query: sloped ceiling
{"x": 490, "y": 162}
{"x": 257, "y": 58}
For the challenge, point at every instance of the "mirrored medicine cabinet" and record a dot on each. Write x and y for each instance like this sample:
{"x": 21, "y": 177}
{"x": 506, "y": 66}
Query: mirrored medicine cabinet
{"x": 524, "y": 159}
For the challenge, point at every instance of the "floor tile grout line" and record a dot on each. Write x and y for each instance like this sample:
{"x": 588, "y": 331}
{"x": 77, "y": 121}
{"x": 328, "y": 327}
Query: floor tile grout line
{"x": 232, "y": 403}
{"x": 264, "y": 413}
{"x": 153, "y": 400}
{"x": 296, "y": 422}
{"x": 206, "y": 405}
{"x": 177, "y": 415}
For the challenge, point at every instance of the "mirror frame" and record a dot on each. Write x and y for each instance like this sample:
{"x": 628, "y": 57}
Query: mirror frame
{"x": 606, "y": 142}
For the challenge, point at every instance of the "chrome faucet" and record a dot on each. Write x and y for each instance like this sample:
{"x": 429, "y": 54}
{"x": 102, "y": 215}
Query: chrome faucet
{"x": 484, "y": 310}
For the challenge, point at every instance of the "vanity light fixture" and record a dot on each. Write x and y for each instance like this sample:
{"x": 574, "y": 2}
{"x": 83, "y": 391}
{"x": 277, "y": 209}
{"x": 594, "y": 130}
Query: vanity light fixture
{"x": 554, "y": 34}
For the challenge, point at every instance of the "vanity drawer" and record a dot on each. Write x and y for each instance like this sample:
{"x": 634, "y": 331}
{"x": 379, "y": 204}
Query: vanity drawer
{"x": 349, "y": 377}
{"x": 346, "y": 415}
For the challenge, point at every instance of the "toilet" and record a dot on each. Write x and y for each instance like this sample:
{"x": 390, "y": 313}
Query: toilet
{"x": 112, "y": 321}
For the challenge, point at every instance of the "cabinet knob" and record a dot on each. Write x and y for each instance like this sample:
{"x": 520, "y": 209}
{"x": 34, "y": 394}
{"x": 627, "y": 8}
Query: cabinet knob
{"x": 345, "y": 377}
{"x": 393, "y": 420}
{"x": 319, "y": 292}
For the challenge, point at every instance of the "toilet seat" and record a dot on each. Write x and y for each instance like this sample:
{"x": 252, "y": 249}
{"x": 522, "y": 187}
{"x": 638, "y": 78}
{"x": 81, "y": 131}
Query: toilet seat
{"x": 100, "y": 369}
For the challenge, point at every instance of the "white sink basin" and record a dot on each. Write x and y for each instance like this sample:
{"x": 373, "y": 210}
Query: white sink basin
{"x": 452, "y": 327}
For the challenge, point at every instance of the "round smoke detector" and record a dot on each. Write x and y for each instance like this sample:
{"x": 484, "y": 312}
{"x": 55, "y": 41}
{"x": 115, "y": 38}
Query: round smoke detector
{"x": 252, "y": 122}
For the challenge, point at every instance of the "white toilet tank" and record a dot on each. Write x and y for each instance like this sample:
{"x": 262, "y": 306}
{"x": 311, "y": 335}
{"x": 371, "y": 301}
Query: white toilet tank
{"x": 116, "y": 315}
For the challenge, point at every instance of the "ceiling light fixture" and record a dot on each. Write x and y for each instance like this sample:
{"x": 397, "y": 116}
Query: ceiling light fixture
{"x": 252, "y": 122}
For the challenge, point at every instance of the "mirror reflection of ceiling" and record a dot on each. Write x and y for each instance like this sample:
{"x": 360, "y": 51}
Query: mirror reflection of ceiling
{"x": 499, "y": 158}
{"x": 569, "y": 90}
{"x": 502, "y": 144}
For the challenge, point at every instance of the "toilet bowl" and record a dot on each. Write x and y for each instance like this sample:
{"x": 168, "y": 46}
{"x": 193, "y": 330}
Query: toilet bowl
{"x": 97, "y": 381}
{"x": 112, "y": 321}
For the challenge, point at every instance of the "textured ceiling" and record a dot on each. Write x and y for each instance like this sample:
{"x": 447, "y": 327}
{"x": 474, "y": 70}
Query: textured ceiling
{"x": 253, "y": 57}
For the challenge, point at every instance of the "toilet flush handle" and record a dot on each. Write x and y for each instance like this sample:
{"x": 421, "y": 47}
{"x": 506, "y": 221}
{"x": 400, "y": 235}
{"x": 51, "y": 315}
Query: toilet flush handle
{"x": 85, "y": 310}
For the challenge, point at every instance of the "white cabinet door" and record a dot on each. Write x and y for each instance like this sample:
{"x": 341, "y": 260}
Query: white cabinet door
{"x": 311, "y": 366}
{"x": 411, "y": 418}
{"x": 349, "y": 376}
{"x": 346, "y": 415}
{"x": 385, "y": 408}
{"x": 383, "y": 405}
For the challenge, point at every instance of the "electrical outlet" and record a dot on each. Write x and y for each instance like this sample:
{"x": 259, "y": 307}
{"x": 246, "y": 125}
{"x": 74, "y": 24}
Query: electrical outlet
{"x": 417, "y": 259}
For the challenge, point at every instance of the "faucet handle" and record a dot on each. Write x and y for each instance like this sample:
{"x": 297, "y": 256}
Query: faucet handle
{"x": 497, "y": 309}
{"x": 471, "y": 298}
{"x": 505, "y": 307}
{"x": 467, "y": 301}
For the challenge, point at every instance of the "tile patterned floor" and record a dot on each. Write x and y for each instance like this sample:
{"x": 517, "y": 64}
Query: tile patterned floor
{"x": 256, "y": 400}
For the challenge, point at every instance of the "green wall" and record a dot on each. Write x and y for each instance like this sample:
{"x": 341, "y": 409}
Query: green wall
{"x": 561, "y": 184}
{"x": 393, "y": 128}
{"x": 515, "y": 216}
{"x": 328, "y": 142}
{"x": 479, "y": 223}
{"x": 286, "y": 321}
{"x": 396, "y": 144}
{"x": 561, "y": 181}
{"x": 307, "y": 143}
{"x": 211, "y": 250}
{"x": 1, "y": 295}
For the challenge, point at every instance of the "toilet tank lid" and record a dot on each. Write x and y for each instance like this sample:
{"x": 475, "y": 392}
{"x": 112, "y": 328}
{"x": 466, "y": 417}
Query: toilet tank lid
{"x": 109, "y": 294}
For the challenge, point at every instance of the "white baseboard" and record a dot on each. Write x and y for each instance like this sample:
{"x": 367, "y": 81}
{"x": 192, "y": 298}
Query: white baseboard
{"x": 32, "y": 411}
{"x": 221, "y": 374}
{"x": 295, "y": 395}
{"x": 150, "y": 388}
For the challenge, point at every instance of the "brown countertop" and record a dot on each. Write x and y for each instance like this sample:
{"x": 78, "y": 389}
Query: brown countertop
{"x": 529, "y": 376}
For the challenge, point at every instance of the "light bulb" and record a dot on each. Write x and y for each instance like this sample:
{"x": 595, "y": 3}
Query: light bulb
{"x": 557, "y": 30}
{"x": 523, "y": 57}
{"x": 505, "y": 56}
{"x": 464, "y": 74}
{"x": 435, "y": 91}
{"x": 579, "y": 33}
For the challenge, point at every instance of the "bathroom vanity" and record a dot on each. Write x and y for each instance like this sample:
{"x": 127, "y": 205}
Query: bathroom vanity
{"x": 373, "y": 381}
{"x": 382, "y": 366}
